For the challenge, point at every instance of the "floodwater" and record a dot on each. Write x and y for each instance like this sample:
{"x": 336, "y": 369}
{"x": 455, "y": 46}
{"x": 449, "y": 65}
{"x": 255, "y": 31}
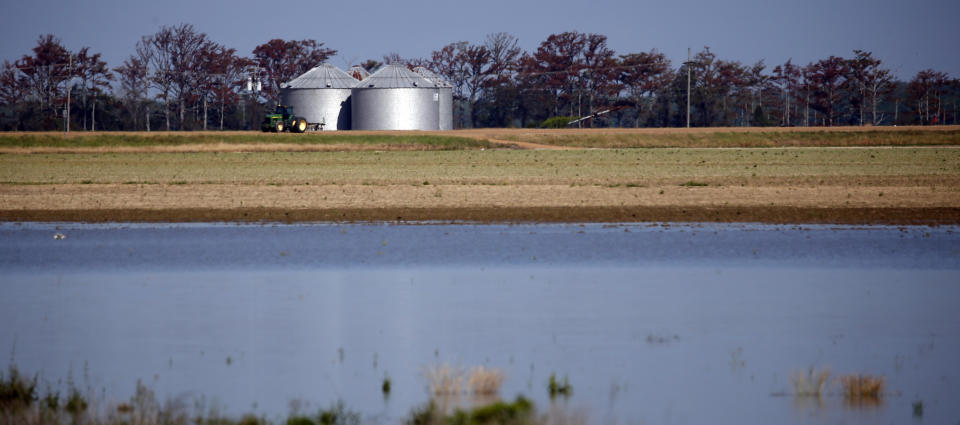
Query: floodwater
{"x": 667, "y": 324}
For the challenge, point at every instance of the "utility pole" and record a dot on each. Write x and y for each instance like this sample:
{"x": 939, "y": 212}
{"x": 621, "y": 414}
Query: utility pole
{"x": 688, "y": 87}
{"x": 66, "y": 115}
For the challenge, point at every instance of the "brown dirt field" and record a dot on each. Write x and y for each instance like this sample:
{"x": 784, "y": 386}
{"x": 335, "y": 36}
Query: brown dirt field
{"x": 515, "y": 203}
{"x": 770, "y": 215}
{"x": 812, "y": 185}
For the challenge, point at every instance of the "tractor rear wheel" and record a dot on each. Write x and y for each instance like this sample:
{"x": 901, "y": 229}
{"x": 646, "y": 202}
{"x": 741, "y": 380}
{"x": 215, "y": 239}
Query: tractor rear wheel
{"x": 301, "y": 125}
{"x": 278, "y": 127}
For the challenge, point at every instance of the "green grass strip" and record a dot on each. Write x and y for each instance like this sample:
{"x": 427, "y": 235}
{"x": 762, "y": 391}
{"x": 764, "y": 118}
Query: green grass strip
{"x": 166, "y": 139}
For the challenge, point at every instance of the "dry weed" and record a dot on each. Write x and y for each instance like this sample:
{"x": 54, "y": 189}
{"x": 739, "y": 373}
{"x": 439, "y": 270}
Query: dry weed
{"x": 444, "y": 380}
{"x": 862, "y": 386}
{"x": 812, "y": 383}
{"x": 485, "y": 381}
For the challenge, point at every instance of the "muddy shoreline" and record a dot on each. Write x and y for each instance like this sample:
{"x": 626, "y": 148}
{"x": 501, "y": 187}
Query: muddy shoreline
{"x": 635, "y": 214}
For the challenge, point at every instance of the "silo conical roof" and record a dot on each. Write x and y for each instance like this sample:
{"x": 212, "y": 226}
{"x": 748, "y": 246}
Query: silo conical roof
{"x": 395, "y": 76}
{"x": 430, "y": 75}
{"x": 323, "y": 76}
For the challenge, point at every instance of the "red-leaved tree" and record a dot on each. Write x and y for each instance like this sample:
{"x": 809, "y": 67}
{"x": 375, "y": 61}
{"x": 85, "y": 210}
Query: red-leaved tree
{"x": 283, "y": 60}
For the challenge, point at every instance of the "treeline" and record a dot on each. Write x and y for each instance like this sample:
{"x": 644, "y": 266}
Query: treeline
{"x": 179, "y": 79}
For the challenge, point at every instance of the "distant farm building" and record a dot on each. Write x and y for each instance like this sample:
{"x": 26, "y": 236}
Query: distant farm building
{"x": 392, "y": 98}
{"x": 321, "y": 95}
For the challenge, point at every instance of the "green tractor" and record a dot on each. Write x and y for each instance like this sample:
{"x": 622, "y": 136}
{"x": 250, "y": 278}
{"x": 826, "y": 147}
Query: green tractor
{"x": 283, "y": 119}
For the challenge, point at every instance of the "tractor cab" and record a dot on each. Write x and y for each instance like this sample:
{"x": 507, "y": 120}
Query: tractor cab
{"x": 285, "y": 111}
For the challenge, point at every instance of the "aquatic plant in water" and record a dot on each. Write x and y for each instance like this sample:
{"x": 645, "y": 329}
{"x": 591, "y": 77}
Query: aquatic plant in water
{"x": 16, "y": 391}
{"x": 336, "y": 414}
{"x": 520, "y": 411}
{"x": 444, "y": 380}
{"x": 862, "y": 388}
{"x": 813, "y": 383}
{"x": 485, "y": 381}
{"x": 385, "y": 387}
{"x": 555, "y": 387}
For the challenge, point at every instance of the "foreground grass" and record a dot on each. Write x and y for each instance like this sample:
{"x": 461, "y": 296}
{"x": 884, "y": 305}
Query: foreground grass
{"x": 733, "y": 137}
{"x": 22, "y": 403}
{"x": 173, "y": 139}
{"x": 625, "y": 168}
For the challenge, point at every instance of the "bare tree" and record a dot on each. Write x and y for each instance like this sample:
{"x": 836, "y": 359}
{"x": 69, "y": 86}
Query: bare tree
{"x": 448, "y": 63}
{"x": 500, "y": 96}
{"x": 205, "y": 68}
{"x": 559, "y": 58}
{"x": 757, "y": 81}
{"x": 712, "y": 82}
{"x": 94, "y": 77}
{"x": 134, "y": 84}
{"x": 475, "y": 61}
{"x": 13, "y": 90}
{"x": 787, "y": 78}
{"x": 829, "y": 75}
{"x": 157, "y": 50}
{"x": 187, "y": 55}
{"x": 927, "y": 89}
{"x": 870, "y": 82}
{"x": 283, "y": 60}
{"x": 644, "y": 75}
{"x": 599, "y": 73}
{"x": 504, "y": 53}
{"x": 371, "y": 65}
{"x": 45, "y": 71}
{"x": 226, "y": 75}
{"x": 393, "y": 58}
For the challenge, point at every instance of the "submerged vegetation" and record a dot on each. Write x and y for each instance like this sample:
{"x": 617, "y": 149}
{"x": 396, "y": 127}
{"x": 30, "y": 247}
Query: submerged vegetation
{"x": 336, "y": 414}
{"x": 385, "y": 386}
{"x": 862, "y": 388}
{"x": 20, "y": 403}
{"x": 555, "y": 387}
{"x": 520, "y": 411}
{"x": 485, "y": 381}
{"x": 812, "y": 383}
{"x": 18, "y": 392}
{"x": 858, "y": 390}
{"x": 444, "y": 380}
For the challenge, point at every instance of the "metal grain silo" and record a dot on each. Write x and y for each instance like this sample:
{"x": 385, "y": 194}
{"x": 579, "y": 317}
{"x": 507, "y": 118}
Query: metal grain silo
{"x": 321, "y": 95}
{"x": 446, "y": 96}
{"x": 395, "y": 98}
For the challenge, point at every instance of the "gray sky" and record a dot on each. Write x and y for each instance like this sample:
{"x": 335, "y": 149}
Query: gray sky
{"x": 909, "y": 35}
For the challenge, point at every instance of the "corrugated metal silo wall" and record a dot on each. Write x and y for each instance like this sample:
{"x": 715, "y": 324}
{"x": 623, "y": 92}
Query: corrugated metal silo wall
{"x": 396, "y": 108}
{"x": 446, "y": 108}
{"x": 329, "y": 106}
